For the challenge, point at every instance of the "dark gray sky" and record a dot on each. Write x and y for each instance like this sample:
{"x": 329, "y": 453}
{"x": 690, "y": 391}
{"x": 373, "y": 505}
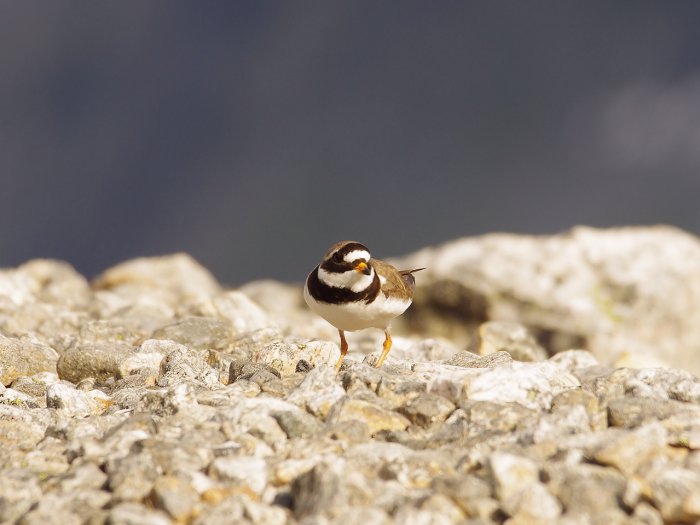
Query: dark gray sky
{"x": 255, "y": 134}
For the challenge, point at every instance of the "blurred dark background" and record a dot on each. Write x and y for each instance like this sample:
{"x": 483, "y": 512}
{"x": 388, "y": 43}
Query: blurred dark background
{"x": 255, "y": 134}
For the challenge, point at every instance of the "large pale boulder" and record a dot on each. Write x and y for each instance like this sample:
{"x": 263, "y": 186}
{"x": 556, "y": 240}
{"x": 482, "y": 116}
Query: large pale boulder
{"x": 630, "y": 295}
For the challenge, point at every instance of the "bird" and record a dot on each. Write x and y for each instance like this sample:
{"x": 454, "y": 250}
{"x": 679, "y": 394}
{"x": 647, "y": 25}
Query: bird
{"x": 353, "y": 291}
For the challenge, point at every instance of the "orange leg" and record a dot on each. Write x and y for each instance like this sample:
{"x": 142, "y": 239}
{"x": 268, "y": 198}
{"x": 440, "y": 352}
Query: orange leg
{"x": 343, "y": 350}
{"x": 385, "y": 352}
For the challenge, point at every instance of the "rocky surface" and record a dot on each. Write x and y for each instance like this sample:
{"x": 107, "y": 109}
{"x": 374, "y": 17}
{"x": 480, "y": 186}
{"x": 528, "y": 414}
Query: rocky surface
{"x": 629, "y": 295}
{"x": 154, "y": 396}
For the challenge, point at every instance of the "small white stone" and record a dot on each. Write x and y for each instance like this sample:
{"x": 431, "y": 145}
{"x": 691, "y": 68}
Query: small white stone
{"x": 511, "y": 474}
{"x": 241, "y": 471}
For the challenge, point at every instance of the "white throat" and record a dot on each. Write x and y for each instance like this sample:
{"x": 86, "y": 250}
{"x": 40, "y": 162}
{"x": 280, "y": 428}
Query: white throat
{"x": 352, "y": 279}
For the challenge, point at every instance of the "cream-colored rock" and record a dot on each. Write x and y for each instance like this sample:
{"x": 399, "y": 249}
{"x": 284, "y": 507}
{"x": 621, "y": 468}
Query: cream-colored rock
{"x": 236, "y": 308}
{"x": 284, "y": 355}
{"x": 511, "y": 474}
{"x": 177, "y": 276}
{"x": 629, "y": 294}
{"x": 375, "y": 417}
{"x": 24, "y": 357}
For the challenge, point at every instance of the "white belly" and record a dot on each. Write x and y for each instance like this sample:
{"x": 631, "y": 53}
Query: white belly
{"x": 358, "y": 316}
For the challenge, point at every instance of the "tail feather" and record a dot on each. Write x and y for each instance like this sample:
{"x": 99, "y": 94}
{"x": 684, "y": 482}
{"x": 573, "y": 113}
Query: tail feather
{"x": 407, "y": 276}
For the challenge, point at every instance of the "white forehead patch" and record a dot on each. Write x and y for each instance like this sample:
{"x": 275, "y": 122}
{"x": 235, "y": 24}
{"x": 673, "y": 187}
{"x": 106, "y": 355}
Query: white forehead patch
{"x": 355, "y": 255}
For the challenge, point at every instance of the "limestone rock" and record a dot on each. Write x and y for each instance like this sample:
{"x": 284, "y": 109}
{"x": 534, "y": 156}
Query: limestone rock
{"x": 24, "y": 357}
{"x": 184, "y": 364}
{"x": 98, "y": 361}
{"x": 427, "y": 409}
{"x": 18, "y": 492}
{"x": 284, "y": 355}
{"x": 513, "y": 338}
{"x": 74, "y": 402}
{"x": 511, "y": 474}
{"x": 375, "y": 417}
{"x": 178, "y": 276}
{"x": 598, "y": 289}
{"x": 249, "y": 473}
{"x": 318, "y": 392}
{"x": 235, "y": 307}
{"x": 201, "y": 333}
{"x": 46, "y": 281}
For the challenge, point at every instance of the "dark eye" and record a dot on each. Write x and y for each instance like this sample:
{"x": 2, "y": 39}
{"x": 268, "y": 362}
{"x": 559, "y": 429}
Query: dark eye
{"x": 337, "y": 258}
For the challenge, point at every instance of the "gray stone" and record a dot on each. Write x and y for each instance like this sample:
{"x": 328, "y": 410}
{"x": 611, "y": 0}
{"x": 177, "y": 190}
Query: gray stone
{"x": 514, "y": 338}
{"x": 24, "y": 357}
{"x": 318, "y": 392}
{"x": 486, "y": 417}
{"x": 186, "y": 365}
{"x": 284, "y": 355}
{"x": 427, "y": 410}
{"x": 675, "y": 491}
{"x": 244, "y": 345}
{"x": 136, "y": 514}
{"x": 47, "y": 281}
{"x": 108, "y": 331}
{"x": 223, "y": 509}
{"x": 131, "y": 477}
{"x": 297, "y": 424}
{"x": 664, "y": 383}
{"x": 35, "y": 386}
{"x": 632, "y": 449}
{"x": 363, "y": 516}
{"x": 585, "y": 489}
{"x": 350, "y": 431}
{"x": 149, "y": 355}
{"x": 10, "y": 396}
{"x": 236, "y": 308}
{"x": 176, "y": 496}
{"x": 246, "y": 370}
{"x": 178, "y": 277}
{"x": 200, "y": 333}
{"x": 398, "y": 390}
{"x": 375, "y": 417}
{"x": 631, "y": 412}
{"x": 282, "y": 387}
{"x": 462, "y": 490}
{"x": 409, "y": 515}
{"x": 74, "y": 402}
{"x": 99, "y": 361}
{"x": 572, "y": 360}
{"x": 82, "y": 476}
{"x": 51, "y": 509}
{"x": 18, "y": 492}
{"x": 571, "y": 400}
{"x": 285, "y": 305}
{"x": 510, "y": 474}
{"x": 645, "y": 514}
{"x": 533, "y": 385}
{"x": 471, "y": 360}
{"x": 319, "y": 491}
{"x": 242, "y": 472}
{"x": 431, "y": 349}
{"x": 533, "y": 504}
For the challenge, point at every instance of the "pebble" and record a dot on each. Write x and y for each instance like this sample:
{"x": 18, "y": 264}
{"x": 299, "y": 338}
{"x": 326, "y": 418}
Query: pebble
{"x": 24, "y": 357}
{"x": 375, "y": 417}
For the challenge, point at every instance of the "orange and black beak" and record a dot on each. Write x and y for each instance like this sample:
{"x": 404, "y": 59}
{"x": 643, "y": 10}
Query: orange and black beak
{"x": 363, "y": 267}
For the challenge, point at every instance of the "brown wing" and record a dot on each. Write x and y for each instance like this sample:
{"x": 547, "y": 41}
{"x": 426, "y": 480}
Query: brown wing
{"x": 398, "y": 282}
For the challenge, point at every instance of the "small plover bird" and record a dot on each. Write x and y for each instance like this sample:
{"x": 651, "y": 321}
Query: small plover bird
{"x": 352, "y": 292}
